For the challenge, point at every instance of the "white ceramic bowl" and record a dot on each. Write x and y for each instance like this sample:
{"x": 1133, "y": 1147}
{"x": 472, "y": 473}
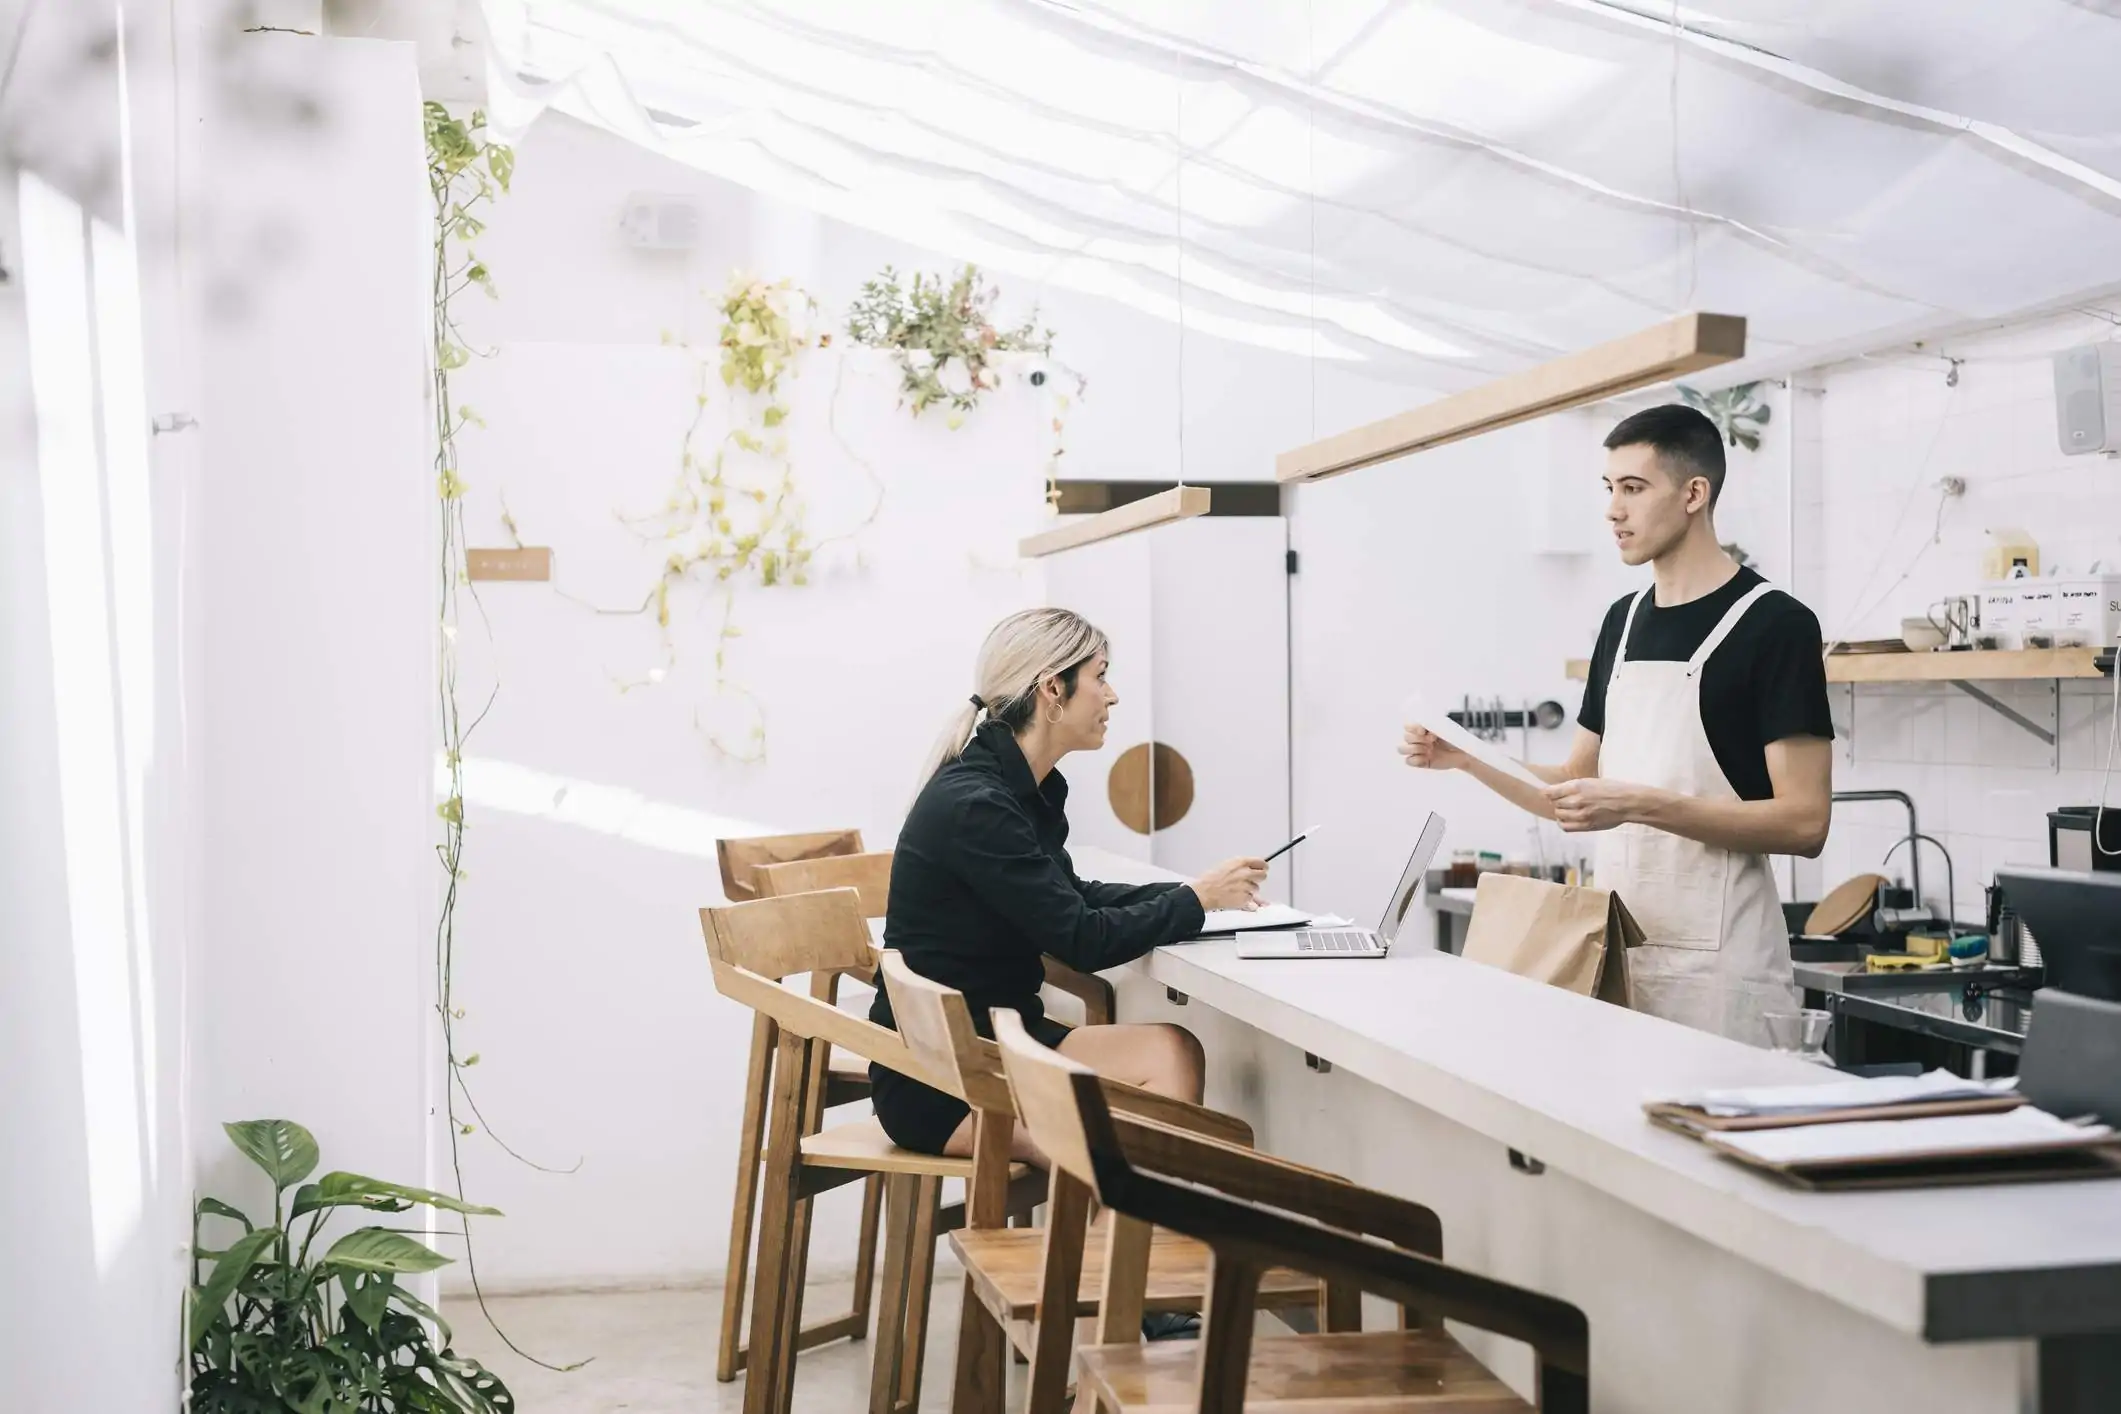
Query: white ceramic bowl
{"x": 1920, "y": 635}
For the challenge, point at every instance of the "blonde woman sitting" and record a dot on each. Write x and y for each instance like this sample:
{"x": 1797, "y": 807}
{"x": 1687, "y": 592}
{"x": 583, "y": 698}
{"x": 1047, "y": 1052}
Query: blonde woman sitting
{"x": 981, "y": 883}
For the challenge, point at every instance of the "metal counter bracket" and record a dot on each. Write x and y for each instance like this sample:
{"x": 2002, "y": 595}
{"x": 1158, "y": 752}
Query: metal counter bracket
{"x": 1175, "y": 996}
{"x": 1318, "y": 1063}
{"x": 2053, "y": 738}
{"x": 1525, "y": 1163}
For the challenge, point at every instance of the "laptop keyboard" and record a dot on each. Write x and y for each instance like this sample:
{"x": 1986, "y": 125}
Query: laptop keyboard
{"x": 1333, "y": 940}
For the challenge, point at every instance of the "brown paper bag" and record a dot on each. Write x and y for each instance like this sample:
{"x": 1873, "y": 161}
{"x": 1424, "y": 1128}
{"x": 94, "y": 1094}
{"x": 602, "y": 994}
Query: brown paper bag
{"x": 1561, "y": 934}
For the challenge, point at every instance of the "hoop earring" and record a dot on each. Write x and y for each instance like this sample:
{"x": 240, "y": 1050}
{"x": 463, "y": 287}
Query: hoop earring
{"x": 1054, "y": 720}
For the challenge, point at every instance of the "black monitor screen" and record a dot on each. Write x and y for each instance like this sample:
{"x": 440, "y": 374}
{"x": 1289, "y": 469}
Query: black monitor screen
{"x": 2076, "y": 920}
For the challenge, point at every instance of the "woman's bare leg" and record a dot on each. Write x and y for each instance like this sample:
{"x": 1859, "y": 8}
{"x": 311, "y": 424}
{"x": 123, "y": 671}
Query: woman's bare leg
{"x": 1163, "y": 1059}
{"x": 1157, "y": 1057}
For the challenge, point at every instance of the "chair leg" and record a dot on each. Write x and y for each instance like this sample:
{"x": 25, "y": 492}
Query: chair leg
{"x": 1053, "y": 1350}
{"x": 920, "y": 1286}
{"x": 750, "y": 1147}
{"x": 900, "y": 1195}
{"x": 792, "y": 1308}
{"x": 865, "y": 1256}
{"x": 1226, "y": 1334}
{"x": 776, "y": 1285}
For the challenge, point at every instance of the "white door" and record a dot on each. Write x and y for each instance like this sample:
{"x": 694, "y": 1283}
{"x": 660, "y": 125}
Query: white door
{"x": 1220, "y": 606}
{"x": 1109, "y": 583}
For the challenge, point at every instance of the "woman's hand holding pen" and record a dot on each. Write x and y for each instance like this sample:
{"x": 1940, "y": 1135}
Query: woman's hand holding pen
{"x": 1234, "y": 883}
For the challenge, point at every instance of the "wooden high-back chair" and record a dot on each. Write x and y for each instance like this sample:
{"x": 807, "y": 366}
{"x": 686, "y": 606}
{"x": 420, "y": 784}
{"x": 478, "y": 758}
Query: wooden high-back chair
{"x": 753, "y": 946}
{"x": 763, "y": 867}
{"x": 1253, "y": 1211}
{"x": 740, "y": 859}
{"x": 1015, "y": 1292}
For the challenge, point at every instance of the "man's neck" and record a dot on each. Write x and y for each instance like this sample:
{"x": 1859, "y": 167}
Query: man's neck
{"x": 1694, "y": 567}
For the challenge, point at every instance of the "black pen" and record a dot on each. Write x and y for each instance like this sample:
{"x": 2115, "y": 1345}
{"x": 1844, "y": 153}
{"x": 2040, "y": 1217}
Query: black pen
{"x": 1289, "y": 846}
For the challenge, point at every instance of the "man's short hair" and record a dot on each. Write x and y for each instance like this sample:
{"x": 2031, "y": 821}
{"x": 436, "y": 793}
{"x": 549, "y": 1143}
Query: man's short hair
{"x": 1686, "y": 442}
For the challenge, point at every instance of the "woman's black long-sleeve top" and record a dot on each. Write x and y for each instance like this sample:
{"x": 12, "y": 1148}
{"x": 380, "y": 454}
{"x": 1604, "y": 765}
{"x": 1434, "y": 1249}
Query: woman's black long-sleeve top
{"x": 981, "y": 887}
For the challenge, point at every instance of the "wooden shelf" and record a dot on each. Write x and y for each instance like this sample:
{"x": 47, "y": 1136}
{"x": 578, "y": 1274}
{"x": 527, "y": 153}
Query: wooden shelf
{"x": 1977, "y": 666}
{"x": 1685, "y": 344}
{"x": 1179, "y": 503}
{"x": 1974, "y": 666}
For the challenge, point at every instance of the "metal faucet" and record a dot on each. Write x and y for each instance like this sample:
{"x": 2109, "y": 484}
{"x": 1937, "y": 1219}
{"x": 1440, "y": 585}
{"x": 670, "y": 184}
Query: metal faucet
{"x": 1913, "y": 839}
{"x": 1914, "y": 832}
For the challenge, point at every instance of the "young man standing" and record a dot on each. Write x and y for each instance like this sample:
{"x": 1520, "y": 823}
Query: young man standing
{"x": 1704, "y": 744}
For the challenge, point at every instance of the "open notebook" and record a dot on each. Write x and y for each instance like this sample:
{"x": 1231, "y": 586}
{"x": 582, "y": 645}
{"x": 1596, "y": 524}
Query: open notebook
{"x": 1240, "y": 920}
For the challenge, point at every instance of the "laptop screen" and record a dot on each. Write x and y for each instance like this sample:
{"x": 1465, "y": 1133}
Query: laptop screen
{"x": 1409, "y": 886}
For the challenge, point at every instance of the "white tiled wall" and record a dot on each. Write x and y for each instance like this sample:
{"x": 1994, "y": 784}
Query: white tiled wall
{"x": 1872, "y": 548}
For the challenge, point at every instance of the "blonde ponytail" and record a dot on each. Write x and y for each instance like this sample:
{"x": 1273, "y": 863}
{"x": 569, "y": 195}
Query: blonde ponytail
{"x": 1020, "y": 652}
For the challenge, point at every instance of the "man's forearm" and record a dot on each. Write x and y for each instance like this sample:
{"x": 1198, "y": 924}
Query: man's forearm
{"x": 1778, "y": 826}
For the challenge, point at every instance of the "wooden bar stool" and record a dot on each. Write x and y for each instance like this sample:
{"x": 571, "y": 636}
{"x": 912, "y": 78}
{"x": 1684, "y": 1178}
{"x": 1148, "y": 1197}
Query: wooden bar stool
{"x": 1255, "y": 1212}
{"x": 772, "y": 866}
{"x": 754, "y": 868}
{"x": 1005, "y": 1268}
{"x": 753, "y": 946}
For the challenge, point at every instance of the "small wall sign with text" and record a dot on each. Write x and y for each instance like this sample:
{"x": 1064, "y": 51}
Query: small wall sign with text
{"x": 523, "y": 562}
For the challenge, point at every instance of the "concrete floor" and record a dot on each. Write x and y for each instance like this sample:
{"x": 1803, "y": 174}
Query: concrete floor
{"x": 653, "y": 1352}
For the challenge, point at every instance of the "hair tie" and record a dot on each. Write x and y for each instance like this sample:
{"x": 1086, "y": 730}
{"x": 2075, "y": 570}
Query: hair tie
{"x": 977, "y": 705}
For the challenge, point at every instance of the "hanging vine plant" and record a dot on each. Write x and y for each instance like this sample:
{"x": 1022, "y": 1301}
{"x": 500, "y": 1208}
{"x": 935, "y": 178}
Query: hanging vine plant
{"x": 941, "y": 336}
{"x": 943, "y": 339}
{"x": 1737, "y": 412}
{"x": 466, "y": 171}
{"x": 735, "y": 516}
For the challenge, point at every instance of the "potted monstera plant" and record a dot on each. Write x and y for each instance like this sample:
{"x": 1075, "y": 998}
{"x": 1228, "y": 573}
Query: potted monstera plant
{"x": 284, "y": 1320}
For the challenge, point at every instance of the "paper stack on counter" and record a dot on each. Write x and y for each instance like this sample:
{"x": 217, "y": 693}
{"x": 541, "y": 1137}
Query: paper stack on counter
{"x": 1863, "y": 1094}
{"x": 1943, "y": 1137}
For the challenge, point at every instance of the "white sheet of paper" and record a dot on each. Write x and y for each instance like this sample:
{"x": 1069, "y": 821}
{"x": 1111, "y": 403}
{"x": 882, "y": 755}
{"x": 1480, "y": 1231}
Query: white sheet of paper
{"x": 1419, "y": 713}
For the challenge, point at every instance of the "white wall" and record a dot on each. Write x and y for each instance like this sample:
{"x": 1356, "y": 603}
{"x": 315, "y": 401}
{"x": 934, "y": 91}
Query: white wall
{"x": 94, "y": 1197}
{"x": 311, "y": 995}
{"x": 1888, "y": 429}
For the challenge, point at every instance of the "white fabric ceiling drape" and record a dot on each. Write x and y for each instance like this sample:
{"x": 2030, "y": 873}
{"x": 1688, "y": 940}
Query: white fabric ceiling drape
{"x": 1444, "y": 189}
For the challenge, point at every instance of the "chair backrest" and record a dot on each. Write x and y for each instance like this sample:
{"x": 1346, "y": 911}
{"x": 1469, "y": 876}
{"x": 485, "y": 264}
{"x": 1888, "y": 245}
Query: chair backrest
{"x": 867, "y": 874}
{"x": 1057, "y": 1099}
{"x": 1285, "y": 1216}
{"x": 754, "y": 945}
{"x": 778, "y": 937}
{"x": 936, "y": 1022}
{"x": 740, "y": 858}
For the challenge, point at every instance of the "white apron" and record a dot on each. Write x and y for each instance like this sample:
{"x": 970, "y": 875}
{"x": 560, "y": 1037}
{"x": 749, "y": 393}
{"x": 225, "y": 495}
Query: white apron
{"x": 1717, "y": 951}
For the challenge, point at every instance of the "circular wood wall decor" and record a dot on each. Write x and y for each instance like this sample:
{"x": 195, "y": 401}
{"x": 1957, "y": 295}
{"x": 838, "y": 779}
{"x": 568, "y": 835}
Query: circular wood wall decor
{"x": 1130, "y": 781}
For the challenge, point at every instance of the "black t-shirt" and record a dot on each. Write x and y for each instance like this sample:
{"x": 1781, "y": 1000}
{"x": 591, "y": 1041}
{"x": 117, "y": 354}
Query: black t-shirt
{"x": 1766, "y": 682}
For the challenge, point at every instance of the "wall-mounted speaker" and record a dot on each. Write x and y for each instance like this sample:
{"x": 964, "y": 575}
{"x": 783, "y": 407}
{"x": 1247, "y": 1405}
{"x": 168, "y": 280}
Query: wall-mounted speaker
{"x": 2088, "y": 398}
{"x": 654, "y": 222}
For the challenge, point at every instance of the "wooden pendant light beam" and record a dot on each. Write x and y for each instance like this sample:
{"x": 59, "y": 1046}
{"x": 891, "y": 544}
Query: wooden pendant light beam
{"x": 1654, "y": 355}
{"x": 1178, "y": 503}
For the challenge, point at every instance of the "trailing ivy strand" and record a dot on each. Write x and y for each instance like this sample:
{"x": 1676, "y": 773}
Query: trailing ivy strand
{"x": 466, "y": 172}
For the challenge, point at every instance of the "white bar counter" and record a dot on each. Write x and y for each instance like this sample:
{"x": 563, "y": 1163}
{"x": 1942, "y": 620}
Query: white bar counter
{"x": 1707, "y": 1286}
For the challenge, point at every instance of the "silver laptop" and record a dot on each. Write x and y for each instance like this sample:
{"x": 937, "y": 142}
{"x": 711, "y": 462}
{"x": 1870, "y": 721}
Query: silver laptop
{"x": 1354, "y": 942}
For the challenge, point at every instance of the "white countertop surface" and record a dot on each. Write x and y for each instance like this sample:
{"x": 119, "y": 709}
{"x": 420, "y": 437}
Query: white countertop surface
{"x": 1562, "y": 1078}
